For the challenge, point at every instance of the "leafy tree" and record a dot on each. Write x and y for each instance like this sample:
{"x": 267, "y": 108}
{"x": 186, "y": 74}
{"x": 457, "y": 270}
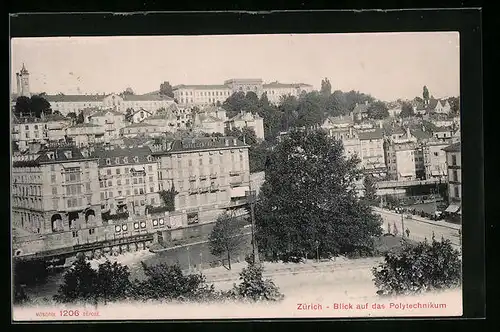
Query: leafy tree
{"x": 23, "y": 106}
{"x": 128, "y": 92}
{"x": 254, "y": 287}
{"x": 79, "y": 283}
{"x": 166, "y": 89}
{"x": 309, "y": 195}
{"x": 225, "y": 238}
{"x": 370, "y": 188}
{"x": 80, "y": 118}
{"x": 406, "y": 111}
{"x": 419, "y": 268}
{"x": 288, "y": 106}
{"x": 252, "y": 98}
{"x": 168, "y": 197}
{"x": 326, "y": 87}
{"x": 355, "y": 97}
{"x": 310, "y": 110}
{"x": 128, "y": 114}
{"x": 34, "y": 106}
{"x": 112, "y": 281}
{"x": 236, "y": 103}
{"x": 425, "y": 93}
{"x": 378, "y": 110}
{"x": 167, "y": 282}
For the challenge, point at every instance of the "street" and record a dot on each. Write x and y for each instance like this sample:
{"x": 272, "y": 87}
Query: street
{"x": 419, "y": 231}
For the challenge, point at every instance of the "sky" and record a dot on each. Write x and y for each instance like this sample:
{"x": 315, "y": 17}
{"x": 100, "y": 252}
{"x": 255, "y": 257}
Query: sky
{"x": 386, "y": 65}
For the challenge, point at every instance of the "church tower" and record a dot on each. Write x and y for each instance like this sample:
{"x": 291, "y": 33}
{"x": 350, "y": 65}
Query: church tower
{"x": 23, "y": 82}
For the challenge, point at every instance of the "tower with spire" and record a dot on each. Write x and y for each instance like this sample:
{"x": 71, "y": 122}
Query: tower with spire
{"x": 23, "y": 82}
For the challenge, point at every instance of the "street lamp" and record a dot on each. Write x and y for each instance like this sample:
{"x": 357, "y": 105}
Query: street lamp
{"x": 251, "y": 197}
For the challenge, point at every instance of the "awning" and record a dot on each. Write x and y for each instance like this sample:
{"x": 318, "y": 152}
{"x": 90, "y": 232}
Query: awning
{"x": 452, "y": 208}
{"x": 239, "y": 191}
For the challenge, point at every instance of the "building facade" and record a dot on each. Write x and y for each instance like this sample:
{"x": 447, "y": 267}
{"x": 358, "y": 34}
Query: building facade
{"x": 454, "y": 172}
{"x": 142, "y": 129}
{"x": 209, "y": 173}
{"x": 55, "y": 190}
{"x": 85, "y": 134}
{"x": 112, "y": 121}
{"x": 48, "y": 128}
{"x": 128, "y": 179}
{"x": 435, "y": 160}
{"x": 399, "y": 150}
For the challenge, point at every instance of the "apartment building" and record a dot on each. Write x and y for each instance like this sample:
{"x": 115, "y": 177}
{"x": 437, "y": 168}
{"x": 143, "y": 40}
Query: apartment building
{"x": 435, "y": 159}
{"x": 55, "y": 189}
{"x": 454, "y": 175}
{"x": 128, "y": 179}
{"x": 248, "y": 120}
{"x": 42, "y": 130}
{"x": 399, "y": 149}
{"x": 209, "y": 173}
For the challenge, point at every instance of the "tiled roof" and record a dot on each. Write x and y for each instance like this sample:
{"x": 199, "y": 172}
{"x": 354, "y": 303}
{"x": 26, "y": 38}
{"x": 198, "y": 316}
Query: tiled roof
{"x": 200, "y": 87}
{"x": 73, "y": 98}
{"x": 455, "y": 147}
{"x": 123, "y": 155}
{"x": 340, "y": 119}
{"x": 420, "y": 134}
{"x": 396, "y": 130}
{"x": 376, "y": 133}
{"x": 54, "y": 117}
{"x": 135, "y": 141}
{"x": 59, "y": 154}
{"x": 442, "y": 129}
{"x": 141, "y": 110}
{"x": 241, "y": 116}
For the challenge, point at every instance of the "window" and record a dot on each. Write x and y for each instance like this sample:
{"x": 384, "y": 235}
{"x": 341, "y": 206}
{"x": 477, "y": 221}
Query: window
{"x": 150, "y": 179}
{"x": 141, "y": 191}
{"x": 54, "y": 190}
{"x": 455, "y": 175}
{"x": 140, "y": 180}
{"x": 118, "y": 182}
{"x": 150, "y": 168}
{"x": 127, "y": 181}
{"x": 151, "y": 189}
{"x": 91, "y": 231}
{"x": 118, "y": 171}
{"x": 457, "y": 192}
{"x": 136, "y": 191}
{"x": 110, "y": 183}
{"x": 110, "y": 194}
{"x": 75, "y": 233}
{"x": 53, "y": 178}
{"x": 102, "y": 197}
{"x": 134, "y": 180}
{"x": 108, "y": 161}
{"x": 128, "y": 192}
{"x": 453, "y": 160}
{"x": 108, "y": 171}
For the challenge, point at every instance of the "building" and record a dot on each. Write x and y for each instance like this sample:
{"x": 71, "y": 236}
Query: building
{"x": 210, "y": 174}
{"x": 23, "y": 82}
{"x": 46, "y": 129}
{"x": 147, "y": 102}
{"x": 213, "y": 94}
{"x": 454, "y": 171}
{"x": 128, "y": 179}
{"x": 249, "y": 120}
{"x": 434, "y": 159}
{"x": 85, "y": 134}
{"x": 372, "y": 150}
{"x": 55, "y": 189}
{"x": 443, "y": 133}
{"x": 335, "y": 122}
{"x": 112, "y": 121}
{"x": 207, "y": 124}
{"x": 65, "y": 104}
{"x": 142, "y": 129}
{"x": 430, "y": 106}
{"x": 360, "y": 111}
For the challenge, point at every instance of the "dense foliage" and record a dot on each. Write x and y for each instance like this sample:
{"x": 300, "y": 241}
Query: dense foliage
{"x": 79, "y": 283}
{"x": 370, "y": 189}
{"x": 308, "y": 201}
{"x": 418, "y": 268}
{"x": 377, "y": 110}
{"x": 34, "y": 106}
{"x": 225, "y": 238}
{"x": 406, "y": 110}
{"x": 166, "y": 89}
{"x": 168, "y": 197}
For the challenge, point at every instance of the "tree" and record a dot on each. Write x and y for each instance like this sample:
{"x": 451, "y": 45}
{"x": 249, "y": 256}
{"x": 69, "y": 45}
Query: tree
{"x": 370, "y": 188}
{"x": 309, "y": 195}
{"x": 238, "y": 102}
{"x": 34, "y": 106}
{"x": 72, "y": 115}
{"x": 425, "y": 93}
{"x": 288, "y": 106}
{"x": 112, "y": 281}
{"x": 128, "y": 92}
{"x": 79, "y": 283}
{"x": 252, "y": 98}
{"x": 419, "y": 268}
{"x": 166, "y": 89}
{"x": 23, "y": 106}
{"x": 225, "y": 238}
{"x": 254, "y": 287}
{"x": 128, "y": 114}
{"x": 310, "y": 110}
{"x": 406, "y": 110}
{"x": 455, "y": 105}
{"x": 80, "y": 118}
{"x": 378, "y": 110}
{"x": 167, "y": 282}
{"x": 326, "y": 87}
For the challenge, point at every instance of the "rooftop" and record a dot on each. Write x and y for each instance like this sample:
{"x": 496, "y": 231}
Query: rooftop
{"x": 57, "y": 154}
{"x": 367, "y": 134}
{"x": 200, "y": 87}
{"x": 123, "y": 155}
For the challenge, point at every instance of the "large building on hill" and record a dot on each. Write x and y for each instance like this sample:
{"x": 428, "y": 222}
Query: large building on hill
{"x": 210, "y": 174}
{"x": 211, "y": 94}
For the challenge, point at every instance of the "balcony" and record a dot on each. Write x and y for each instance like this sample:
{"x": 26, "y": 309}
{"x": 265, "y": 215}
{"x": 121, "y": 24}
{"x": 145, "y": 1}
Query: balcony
{"x": 192, "y": 178}
{"x": 204, "y": 189}
{"x": 203, "y": 177}
{"x": 193, "y": 191}
{"x": 213, "y": 176}
{"x": 234, "y": 173}
{"x": 214, "y": 188}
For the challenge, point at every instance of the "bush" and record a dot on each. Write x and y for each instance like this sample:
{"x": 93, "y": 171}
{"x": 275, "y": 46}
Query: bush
{"x": 419, "y": 268}
{"x": 253, "y": 286}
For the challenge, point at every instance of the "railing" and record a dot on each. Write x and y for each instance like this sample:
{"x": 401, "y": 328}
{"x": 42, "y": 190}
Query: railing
{"x": 193, "y": 191}
{"x": 234, "y": 173}
{"x": 213, "y": 176}
{"x": 192, "y": 178}
{"x": 392, "y": 184}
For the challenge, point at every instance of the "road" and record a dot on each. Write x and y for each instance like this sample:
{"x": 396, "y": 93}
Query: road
{"x": 419, "y": 231}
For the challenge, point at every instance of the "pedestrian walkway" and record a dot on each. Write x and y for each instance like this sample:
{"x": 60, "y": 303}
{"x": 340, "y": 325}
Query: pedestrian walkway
{"x": 420, "y": 219}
